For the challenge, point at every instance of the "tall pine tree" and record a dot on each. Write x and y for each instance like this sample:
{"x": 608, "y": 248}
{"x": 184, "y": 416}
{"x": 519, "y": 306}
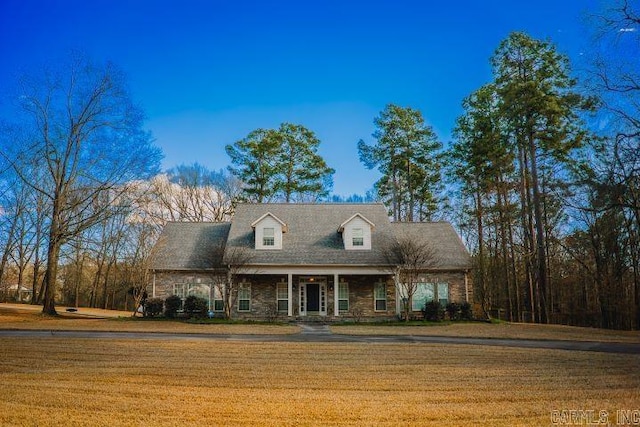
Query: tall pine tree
{"x": 407, "y": 153}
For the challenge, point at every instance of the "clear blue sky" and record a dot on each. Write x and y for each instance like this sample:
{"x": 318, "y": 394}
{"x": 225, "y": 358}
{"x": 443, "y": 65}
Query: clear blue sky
{"x": 209, "y": 72}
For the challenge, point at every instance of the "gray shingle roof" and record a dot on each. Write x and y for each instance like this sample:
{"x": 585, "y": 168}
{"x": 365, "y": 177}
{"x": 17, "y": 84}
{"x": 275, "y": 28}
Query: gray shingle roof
{"x": 312, "y": 238}
{"x": 441, "y": 238}
{"x": 190, "y": 246}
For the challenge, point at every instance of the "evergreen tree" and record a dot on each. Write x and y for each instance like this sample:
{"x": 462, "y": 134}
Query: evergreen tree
{"x": 256, "y": 159}
{"x": 407, "y": 154}
{"x": 540, "y": 107}
{"x": 303, "y": 172}
{"x": 280, "y": 164}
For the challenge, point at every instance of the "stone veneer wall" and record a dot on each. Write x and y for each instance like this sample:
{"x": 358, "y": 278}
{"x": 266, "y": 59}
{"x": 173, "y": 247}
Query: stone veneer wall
{"x": 456, "y": 281}
{"x": 361, "y": 292}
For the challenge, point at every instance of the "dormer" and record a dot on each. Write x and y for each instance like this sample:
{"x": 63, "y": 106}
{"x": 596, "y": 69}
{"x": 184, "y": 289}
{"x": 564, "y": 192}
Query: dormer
{"x": 356, "y": 233}
{"x": 268, "y": 230}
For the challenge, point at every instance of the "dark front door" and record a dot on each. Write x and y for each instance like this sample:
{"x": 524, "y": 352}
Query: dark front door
{"x": 313, "y": 297}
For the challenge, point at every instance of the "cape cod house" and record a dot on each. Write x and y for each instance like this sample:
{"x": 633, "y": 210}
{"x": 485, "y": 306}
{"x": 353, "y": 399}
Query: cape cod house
{"x": 307, "y": 260}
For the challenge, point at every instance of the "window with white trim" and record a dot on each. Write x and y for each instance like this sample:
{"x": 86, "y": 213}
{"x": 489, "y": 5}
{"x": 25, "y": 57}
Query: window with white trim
{"x": 443, "y": 294}
{"x": 244, "y": 297}
{"x": 282, "y": 296}
{"x": 218, "y": 301}
{"x": 424, "y": 292}
{"x": 380, "y": 296}
{"x": 357, "y": 237}
{"x": 343, "y": 296}
{"x": 180, "y": 289}
{"x": 268, "y": 236}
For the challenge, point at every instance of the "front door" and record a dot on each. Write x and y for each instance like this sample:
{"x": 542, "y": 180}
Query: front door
{"x": 313, "y": 297}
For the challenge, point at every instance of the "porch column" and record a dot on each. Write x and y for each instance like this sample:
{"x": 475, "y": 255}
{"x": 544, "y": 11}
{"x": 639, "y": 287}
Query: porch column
{"x": 153, "y": 284}
{"x": 466, "y": 287}
{"x": 336, "y": 294}
{"x": 290, "y": 295}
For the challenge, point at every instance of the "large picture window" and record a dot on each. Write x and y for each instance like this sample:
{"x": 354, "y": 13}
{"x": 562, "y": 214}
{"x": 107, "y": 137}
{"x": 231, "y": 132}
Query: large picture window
{"x": 244, "y": 297}
{"x": 380, "y": 295}
{"x": 426, "y": 292}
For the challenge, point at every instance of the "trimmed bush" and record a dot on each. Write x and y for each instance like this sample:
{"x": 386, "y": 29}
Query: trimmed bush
{"x": 195, "y": 306}
{"x": 466, "y": 311}
{"x": 433, "y": 311}
{"x": 453, "y": 311}
{"x": 172, "y": 304}
{"x": 152, "y": 307}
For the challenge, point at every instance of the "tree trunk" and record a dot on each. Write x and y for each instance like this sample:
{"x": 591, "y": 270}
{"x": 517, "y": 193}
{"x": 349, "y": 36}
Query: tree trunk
{"x": 53, "y": 252}
{"x": 540, "y": 235}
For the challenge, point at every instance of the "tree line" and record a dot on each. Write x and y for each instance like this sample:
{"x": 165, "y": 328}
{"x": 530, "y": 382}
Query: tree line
{"x": 540, "y": 178}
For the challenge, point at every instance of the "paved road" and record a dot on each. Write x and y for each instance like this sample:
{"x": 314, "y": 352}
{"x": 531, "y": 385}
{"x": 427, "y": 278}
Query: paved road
{"x": 322, "y": 333}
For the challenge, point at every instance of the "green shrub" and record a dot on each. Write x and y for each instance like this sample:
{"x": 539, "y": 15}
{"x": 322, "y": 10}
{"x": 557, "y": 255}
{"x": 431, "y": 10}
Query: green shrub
{"x": 195, "y": 306}
{"x": 172, "y": 304}
{"x": 152, "y": 307}
{"x": 466, "y": 311}
{"x": 453, "y": 311}
{"x": 433, "y": 311}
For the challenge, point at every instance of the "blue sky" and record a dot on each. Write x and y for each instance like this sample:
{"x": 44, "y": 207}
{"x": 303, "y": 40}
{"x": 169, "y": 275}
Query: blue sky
{"x": 209, "y": 72}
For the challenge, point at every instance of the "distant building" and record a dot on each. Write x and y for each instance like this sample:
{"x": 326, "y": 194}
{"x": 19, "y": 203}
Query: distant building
{"x": 308, "y": 260}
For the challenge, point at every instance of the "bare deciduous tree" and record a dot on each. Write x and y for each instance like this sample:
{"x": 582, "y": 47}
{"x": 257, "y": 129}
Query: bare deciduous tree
{"x": 226, "y": 284}
{"x": 79, "y": 125}
{"x": 410, "y": 258}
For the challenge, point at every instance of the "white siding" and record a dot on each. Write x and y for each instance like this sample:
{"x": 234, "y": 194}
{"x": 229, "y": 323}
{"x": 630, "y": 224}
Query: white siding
{"x": 268, "y": 222}
{"x": 347, "y": 235}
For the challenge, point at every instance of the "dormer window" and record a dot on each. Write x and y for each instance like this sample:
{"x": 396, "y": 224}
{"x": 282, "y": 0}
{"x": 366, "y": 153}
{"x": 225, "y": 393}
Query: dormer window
{"x": 356, "y": 233}
{"x": 268, "y": 231}
{"x": 268, "y": 236}
{"x": 357, "y": 237}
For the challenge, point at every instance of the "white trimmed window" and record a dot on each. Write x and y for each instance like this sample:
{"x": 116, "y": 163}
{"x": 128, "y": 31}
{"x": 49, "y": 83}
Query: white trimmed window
{"x": 343, "y": 296}
{"x": 380, "y": 296}
{"x": 357, "y": 237}
{"x": 443, "y": 294}
{"x": 268, "y": 236}
{"x": 218, "y": 302}
{"x": 282, "y": 296}
{"x": 244, "y": 297}
{"x": 424, "y": 292}
{"x": 180, "y": 289}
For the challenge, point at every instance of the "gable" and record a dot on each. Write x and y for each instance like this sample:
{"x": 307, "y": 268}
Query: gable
{"x": 356, "y": 232}
{"x": 268, "y": 231}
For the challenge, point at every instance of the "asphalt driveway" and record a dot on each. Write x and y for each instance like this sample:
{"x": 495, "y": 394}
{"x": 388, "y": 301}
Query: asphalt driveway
{"x": 322, "y": 334}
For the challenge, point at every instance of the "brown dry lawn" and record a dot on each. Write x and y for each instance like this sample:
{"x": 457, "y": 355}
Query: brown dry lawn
{"x": 73, "y": 381}
{"x": 20, "y": 316}
{"x": 497, "y": 330}
{"x": 61, "y": 382}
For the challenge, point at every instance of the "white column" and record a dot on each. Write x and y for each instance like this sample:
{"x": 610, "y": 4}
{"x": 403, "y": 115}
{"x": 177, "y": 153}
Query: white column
{"x": 466, "y": 287}
{"x": 153, "y": 284}
{"x": 336, "y": 294}
{"x": 290, "y": 295}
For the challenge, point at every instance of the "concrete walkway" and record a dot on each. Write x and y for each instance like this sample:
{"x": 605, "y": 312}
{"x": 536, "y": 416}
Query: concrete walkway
{"x": 320, "y": 333}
